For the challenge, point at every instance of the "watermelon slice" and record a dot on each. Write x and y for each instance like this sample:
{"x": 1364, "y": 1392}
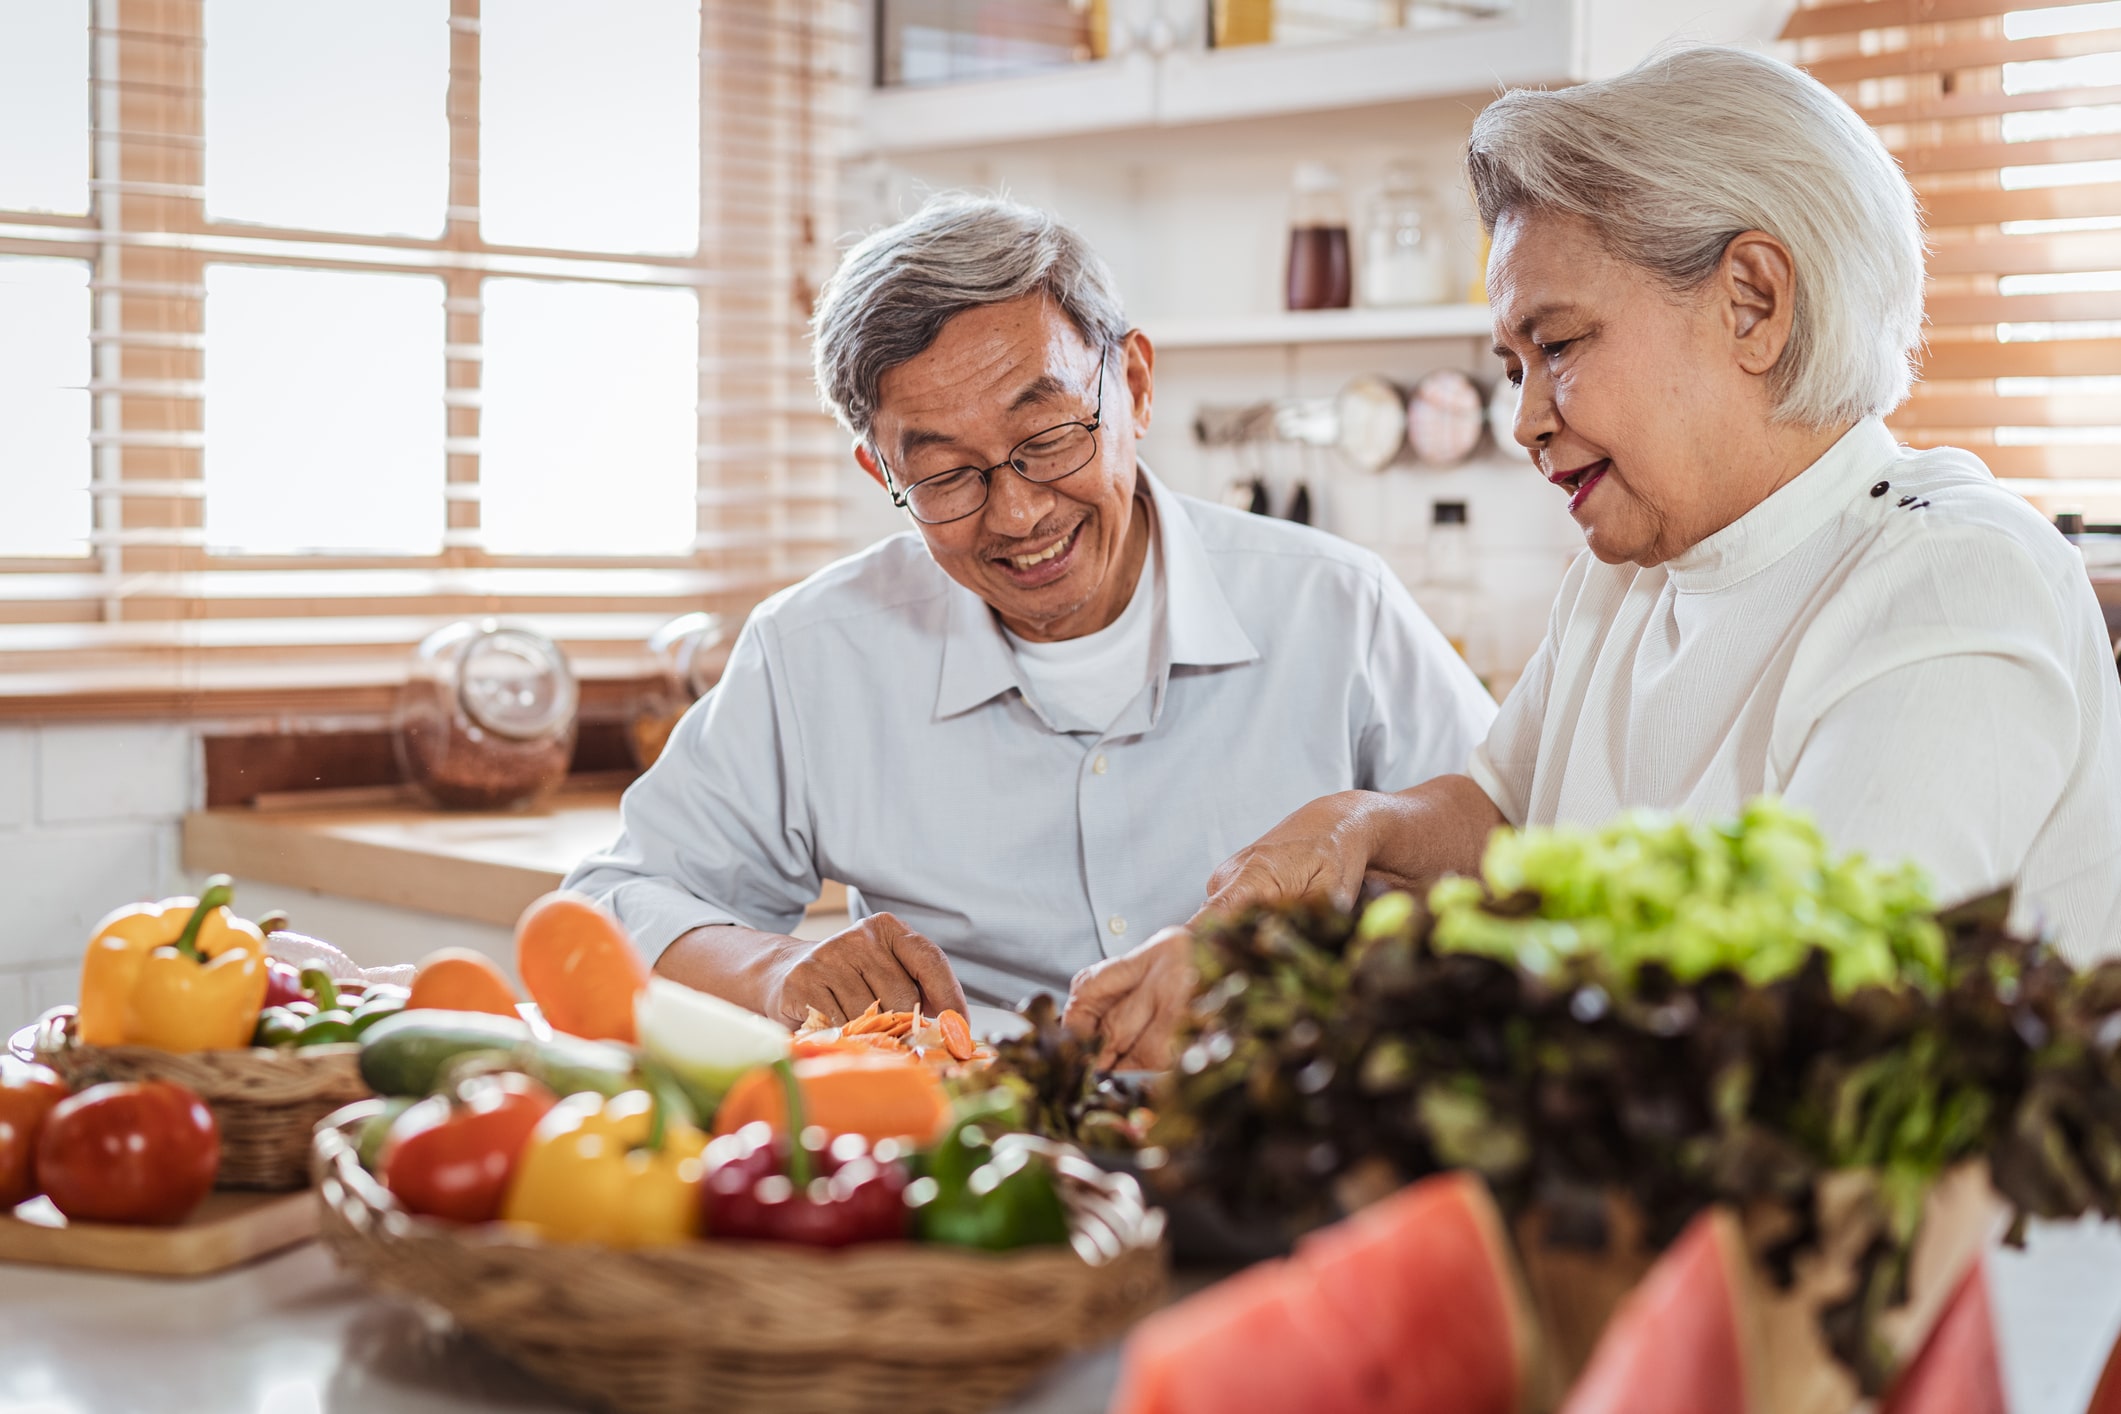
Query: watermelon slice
{"x": 1239, "y": 1346}
{"x": 1412, "y": 1306}
{"x": 1676, "y": 1345}
{"x": 1957, "y": 1373}
{"x": 2106, "y": 1399}
{"x": 1426, "y": 1283}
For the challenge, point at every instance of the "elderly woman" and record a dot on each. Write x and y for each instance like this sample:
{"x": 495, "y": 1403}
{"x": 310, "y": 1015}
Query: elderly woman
{"x": 1707, "y": 277}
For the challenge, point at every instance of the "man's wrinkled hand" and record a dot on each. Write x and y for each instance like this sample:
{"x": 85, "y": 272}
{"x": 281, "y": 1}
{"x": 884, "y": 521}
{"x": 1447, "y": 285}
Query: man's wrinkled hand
{"x": 1134, "y": 1002}
{"x": 878, "y": 959}
{"x": 1318, "y": 851}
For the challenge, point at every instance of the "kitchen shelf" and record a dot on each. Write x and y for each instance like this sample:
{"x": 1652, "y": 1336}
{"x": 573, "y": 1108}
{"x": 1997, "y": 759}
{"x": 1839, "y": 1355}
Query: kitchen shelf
{"x": 1321, "y": 326}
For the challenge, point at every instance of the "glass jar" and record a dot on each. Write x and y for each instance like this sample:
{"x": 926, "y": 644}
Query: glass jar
{"x": 1402, "y": 260}
{"x": 486, "y": 719}
{"x": 686, "y": 667}
{"x": 1319, "y": 277}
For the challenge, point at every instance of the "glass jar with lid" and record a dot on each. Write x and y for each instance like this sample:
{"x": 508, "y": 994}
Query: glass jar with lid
{"x": 1403, "y": 261}
{"x": 687, "y": 665}
{"x": 1319, "y": 277}
{"x": 486, "y": 719}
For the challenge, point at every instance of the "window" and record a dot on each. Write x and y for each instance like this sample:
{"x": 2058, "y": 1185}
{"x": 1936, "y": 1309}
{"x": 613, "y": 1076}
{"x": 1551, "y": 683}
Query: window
{"x": 2007, "y": 118}
{"x": 378, "y": 313}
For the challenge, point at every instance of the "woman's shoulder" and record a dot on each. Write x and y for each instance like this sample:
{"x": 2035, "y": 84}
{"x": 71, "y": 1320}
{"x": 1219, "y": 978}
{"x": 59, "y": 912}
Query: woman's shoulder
{"x": 1944, "y": 515}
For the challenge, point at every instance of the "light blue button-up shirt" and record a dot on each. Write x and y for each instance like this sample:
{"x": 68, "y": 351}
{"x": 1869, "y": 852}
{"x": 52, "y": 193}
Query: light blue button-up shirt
{"x": 872, "y": 726}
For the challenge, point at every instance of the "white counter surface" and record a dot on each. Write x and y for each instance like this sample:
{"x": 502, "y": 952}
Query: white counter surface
{"x": 290, "y": 1335}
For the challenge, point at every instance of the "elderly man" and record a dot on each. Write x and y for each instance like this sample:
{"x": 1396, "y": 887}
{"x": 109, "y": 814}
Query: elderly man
{"x": 1025, "y": 734}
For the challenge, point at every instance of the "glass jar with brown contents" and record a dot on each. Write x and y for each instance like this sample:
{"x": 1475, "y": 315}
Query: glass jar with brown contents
{"x": 486, "y": 719}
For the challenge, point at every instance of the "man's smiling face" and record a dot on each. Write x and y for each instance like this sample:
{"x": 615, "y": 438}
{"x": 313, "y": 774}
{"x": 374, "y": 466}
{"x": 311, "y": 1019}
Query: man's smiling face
{"x": 1057, "y": 559}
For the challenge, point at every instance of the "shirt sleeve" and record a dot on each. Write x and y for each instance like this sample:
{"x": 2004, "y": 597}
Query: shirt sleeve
{"x": 1426, "y": 710}
{"x": 1944, "y": 729}
{"x": 717, "y": 831}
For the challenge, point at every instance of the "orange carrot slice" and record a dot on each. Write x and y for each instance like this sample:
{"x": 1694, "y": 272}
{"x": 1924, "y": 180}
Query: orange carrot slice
{"x": 957, "y": 1035}
{"x": 458, "y": 979}
{"x": 581, "y": 967}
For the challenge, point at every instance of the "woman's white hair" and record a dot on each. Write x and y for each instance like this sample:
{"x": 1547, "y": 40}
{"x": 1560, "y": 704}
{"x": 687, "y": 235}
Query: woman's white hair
{"x": 1673, "y": 159}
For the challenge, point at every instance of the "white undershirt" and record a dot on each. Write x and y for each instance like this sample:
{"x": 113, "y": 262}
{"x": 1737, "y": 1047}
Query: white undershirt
{"x": 1892, "y": 641}
{"x": 1083, "y": 684}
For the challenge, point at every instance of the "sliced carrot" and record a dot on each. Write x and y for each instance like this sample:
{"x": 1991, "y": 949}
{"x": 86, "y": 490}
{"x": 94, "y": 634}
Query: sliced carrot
{"x": 957, "y": 1035}
{"x": 458, "y": 979}
{"x": 581, "y": 967}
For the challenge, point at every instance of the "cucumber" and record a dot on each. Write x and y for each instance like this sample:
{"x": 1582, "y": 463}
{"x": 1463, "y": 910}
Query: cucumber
{"x": 406, "y": 1054}
{"x": 402, "y": 1054}
{"x": 569, "y": 1065}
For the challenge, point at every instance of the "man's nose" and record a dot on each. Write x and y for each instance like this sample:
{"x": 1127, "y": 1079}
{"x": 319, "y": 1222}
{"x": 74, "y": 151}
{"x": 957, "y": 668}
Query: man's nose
{"x": 1015, "y": 506}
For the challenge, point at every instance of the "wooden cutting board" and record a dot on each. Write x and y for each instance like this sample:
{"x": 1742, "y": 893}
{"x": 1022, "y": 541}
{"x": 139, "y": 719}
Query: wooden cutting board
{"x": 226, "y": 1229}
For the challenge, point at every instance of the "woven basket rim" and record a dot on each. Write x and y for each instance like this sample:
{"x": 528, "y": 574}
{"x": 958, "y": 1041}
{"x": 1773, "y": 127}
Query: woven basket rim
{"x": 53, "y": 1033}
{"x": 360, "y": 1198}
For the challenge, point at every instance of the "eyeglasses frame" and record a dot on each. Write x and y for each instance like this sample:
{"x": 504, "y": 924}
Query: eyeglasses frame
{"x": 902, "y": 498}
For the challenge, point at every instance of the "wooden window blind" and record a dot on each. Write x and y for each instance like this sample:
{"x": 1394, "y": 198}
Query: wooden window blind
{"x": 2007, "y": 119}
{"x": 154, "y": 615}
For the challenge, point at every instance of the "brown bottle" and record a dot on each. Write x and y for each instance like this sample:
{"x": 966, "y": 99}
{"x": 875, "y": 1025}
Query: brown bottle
{"x": 1319, "y": 273}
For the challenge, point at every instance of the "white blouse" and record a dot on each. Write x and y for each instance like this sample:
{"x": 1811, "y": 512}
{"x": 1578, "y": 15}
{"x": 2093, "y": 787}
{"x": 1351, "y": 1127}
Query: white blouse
{"x": 1891, "y": 641}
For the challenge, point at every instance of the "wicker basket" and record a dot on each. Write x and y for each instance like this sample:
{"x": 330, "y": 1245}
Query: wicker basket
{"x": 746, "y": 1326}
{"x": 265, "y": 1101}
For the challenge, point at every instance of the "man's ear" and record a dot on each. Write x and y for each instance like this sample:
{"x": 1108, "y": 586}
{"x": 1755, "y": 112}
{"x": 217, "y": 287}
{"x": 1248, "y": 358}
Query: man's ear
{"x": 1141, "y": 378}
{"x": 867, "y": 461}
{"x": 1757, "y": 285}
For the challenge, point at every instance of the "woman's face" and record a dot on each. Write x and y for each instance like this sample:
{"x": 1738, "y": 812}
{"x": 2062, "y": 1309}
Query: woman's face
{"x": 1635, "y": 404}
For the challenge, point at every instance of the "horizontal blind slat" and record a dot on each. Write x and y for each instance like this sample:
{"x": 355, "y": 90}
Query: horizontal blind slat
{"x": 2061, "y": 358}
{"x": 1952, "y": 57}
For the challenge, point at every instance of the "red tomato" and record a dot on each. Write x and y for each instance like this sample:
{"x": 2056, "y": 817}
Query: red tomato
{"x": 27, "y": 1095}
{"x": 137, "y": 1152}
{"x": 452, "y": 1159}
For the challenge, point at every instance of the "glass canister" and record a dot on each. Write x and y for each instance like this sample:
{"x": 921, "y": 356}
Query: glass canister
{"x": 1319, "y": 276}
{"x": 687, "y": 666}
{"x": 1402, "y": 258}
{"x": 486, "y": 719}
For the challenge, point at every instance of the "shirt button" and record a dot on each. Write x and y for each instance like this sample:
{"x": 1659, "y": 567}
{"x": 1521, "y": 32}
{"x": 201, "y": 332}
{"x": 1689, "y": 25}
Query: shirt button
{"x": 1118, "y": 925}
{"x": 1098, "y": 767}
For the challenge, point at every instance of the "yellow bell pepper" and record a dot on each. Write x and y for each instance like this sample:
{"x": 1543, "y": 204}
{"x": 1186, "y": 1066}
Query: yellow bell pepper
{"x": 183, "y": 975}
{"x": 617, "y": 1172}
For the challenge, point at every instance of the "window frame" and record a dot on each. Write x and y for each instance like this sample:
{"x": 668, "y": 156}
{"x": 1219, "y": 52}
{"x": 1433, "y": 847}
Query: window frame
{"x": 148, "y": 623}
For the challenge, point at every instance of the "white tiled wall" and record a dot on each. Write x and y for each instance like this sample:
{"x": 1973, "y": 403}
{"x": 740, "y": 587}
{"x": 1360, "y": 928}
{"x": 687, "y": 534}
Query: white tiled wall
{"x": 89, "y": 820}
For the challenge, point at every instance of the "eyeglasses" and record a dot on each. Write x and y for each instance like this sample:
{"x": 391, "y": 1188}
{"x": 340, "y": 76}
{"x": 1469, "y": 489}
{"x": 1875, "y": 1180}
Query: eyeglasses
{"x": 1042, "y": 457}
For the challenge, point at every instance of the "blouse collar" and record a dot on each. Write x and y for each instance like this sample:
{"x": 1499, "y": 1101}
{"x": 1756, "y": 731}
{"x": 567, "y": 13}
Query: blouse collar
{"x": 1780, "y": 523}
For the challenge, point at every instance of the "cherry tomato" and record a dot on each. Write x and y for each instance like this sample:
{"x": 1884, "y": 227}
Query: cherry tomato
{"x": 135, "y": 1152}
{"x": 452, "y": 1158}
{"x": 27, "y": 1095}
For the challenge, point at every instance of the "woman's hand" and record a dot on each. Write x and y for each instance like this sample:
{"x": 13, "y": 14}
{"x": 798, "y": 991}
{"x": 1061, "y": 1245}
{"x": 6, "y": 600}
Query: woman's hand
{"x": 1321, "y": 851}
{"x": 1135, "y": 1001}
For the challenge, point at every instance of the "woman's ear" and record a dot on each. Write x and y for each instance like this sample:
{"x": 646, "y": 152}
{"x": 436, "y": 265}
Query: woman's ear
{"x": 1757, "y": 284}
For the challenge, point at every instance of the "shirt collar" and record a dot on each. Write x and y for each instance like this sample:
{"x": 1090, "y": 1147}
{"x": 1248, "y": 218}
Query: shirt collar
{"x": 1780, "y": 523}
{"x": 1199, "y": 628}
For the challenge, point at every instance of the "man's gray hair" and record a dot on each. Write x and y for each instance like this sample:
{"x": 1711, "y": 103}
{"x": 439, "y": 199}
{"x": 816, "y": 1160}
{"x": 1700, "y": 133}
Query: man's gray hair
{"x": 895, "y": 290}
{"x": 1672, "y": 160}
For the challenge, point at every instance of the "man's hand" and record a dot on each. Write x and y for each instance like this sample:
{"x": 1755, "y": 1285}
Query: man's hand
{"x": 1135, "y": 1001}
{"x": 1320, "y": 851}
{"x": 878, "y": 959}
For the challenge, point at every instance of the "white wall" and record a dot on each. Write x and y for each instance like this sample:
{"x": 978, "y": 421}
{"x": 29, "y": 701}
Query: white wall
{"x": 89, "y": 820}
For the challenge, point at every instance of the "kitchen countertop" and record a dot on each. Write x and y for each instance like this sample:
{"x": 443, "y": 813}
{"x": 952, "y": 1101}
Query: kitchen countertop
{"x": 485, "y": 866}
{"x": 291, "y": 1335}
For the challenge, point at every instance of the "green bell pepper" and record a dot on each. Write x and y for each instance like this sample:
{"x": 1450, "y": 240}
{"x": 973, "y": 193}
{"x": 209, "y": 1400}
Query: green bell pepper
{"x": 979, "y": 1192}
